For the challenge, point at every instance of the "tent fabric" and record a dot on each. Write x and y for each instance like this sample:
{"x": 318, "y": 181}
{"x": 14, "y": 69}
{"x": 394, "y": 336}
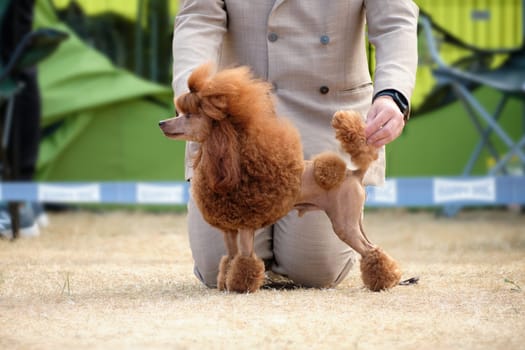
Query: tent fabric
{"x": 100, "y": 122}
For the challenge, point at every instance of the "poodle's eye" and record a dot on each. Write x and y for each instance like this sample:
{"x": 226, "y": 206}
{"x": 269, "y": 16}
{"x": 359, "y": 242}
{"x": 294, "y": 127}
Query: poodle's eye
{"x": 187, "y": 115}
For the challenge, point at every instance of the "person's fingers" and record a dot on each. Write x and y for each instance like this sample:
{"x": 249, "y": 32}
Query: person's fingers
{"x": 386, "y": 133}
{"x": 384, "y": 122}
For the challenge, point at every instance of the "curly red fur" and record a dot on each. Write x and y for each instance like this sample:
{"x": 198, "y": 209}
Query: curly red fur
{"x": 379, "y": 271}
{"x": 350, "y": 131}
{"x": 329, "y": 170}
{"x": 220, "y": 157}
{"x": 198, "y": 77}
{"x": 245, "y": 274}
{"x": 189, "y": 102}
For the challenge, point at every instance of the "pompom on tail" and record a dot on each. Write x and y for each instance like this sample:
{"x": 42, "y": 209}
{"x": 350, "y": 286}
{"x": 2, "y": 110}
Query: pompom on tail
{"x": 350, "y": 131}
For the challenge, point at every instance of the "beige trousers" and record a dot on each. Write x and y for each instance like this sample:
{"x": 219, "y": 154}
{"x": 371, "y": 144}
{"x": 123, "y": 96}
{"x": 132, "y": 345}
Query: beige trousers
{"x": 306, "y": 250}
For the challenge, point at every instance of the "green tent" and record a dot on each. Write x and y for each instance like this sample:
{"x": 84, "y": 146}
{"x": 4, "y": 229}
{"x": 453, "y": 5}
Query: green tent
{"x": 100, "y": 122}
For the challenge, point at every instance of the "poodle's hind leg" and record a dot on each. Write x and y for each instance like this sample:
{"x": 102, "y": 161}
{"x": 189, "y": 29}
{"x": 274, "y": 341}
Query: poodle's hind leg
{"x": 378, "y": 270}
{"x": 246, "y": 272}
{"x": 230, "y": 240}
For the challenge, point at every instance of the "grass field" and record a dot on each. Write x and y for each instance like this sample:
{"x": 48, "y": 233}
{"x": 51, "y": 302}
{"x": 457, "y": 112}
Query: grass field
{"x": 123, "y": 279}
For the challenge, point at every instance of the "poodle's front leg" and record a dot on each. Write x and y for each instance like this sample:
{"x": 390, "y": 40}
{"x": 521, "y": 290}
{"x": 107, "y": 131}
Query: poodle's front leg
{"x": 230, "y": 240}
{"x": 246, "y": 273}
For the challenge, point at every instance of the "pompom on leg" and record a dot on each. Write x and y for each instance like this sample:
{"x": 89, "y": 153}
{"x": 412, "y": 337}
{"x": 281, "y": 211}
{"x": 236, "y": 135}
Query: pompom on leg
{"x": 246, "y": 274}
{"x": 379, "y": 271}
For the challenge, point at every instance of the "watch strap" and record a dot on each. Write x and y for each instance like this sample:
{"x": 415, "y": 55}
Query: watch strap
{"x": 398, "y": 98}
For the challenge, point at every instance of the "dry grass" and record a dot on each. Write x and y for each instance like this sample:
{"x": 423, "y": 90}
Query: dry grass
{"x": 124, "y": 280}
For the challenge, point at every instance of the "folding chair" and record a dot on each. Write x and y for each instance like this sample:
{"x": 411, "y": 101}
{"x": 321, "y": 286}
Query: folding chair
{"x": 34, "y": 47}
{"x": 508, "y": 79}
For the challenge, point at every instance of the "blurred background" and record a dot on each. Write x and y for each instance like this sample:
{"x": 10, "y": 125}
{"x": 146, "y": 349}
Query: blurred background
{"x": 108, "y": 84}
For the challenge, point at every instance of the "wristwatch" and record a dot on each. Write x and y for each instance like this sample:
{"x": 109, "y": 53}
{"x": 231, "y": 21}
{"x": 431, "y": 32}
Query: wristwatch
{"x": 399, "y": 99}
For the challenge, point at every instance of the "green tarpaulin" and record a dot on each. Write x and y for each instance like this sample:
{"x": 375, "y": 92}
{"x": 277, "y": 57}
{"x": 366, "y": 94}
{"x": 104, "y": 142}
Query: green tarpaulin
{"x": 100, "y": 122}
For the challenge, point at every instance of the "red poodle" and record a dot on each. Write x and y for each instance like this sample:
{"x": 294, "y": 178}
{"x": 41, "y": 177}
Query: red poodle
{"x": 250, "y": 172}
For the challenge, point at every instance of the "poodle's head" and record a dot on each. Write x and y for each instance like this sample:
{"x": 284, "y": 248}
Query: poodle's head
{"x": 195, "y": 113}
{"x": 231, "y": 96}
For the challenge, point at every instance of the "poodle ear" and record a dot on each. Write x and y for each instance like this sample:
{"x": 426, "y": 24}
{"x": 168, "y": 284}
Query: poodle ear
{"x": 221, "y": 151}
{"x": 199, "y": 77}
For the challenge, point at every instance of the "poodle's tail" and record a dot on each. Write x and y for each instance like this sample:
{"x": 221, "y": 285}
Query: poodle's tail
{"x": 350, "y": 131}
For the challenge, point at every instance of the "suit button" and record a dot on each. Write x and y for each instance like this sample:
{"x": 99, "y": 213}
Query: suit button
{"x": 273, "y": 37}
{"x": 324, "y": 90}
{"x": 325, "y": 39}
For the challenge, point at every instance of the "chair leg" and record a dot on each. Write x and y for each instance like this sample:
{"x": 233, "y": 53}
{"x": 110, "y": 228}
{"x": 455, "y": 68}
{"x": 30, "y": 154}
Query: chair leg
{"x": 485, "y": 135}
{"x": 477, "y": 112}
{"x": 13, "y": 208}
{"x": 503, "y": 161}
{"x": 463, "y": 92}
{"x": 8, "y": 168}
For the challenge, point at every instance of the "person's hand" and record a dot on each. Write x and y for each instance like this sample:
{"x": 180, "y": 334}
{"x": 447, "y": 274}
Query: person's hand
{"x": 384, "y": 122}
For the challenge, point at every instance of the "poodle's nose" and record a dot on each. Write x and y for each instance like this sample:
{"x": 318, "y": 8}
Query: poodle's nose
{"x": 161, "y": 123}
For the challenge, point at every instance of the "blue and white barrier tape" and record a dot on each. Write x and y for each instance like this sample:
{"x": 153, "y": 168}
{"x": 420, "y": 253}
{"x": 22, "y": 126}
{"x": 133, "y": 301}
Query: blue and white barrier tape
{"x": 420, "y": 191}
{"x": 97, "y": 192}
{"x": 442, "y": 191}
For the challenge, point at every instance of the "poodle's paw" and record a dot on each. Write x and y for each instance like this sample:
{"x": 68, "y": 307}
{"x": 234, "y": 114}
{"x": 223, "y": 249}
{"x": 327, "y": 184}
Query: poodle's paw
{"x": 224, "y": 266}
{"x": 379, "y": 271}
{"x": 246, "y": 274}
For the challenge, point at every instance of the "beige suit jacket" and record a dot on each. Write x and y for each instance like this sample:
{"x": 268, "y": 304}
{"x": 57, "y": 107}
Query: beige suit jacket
{"x": 312, "y": 51}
